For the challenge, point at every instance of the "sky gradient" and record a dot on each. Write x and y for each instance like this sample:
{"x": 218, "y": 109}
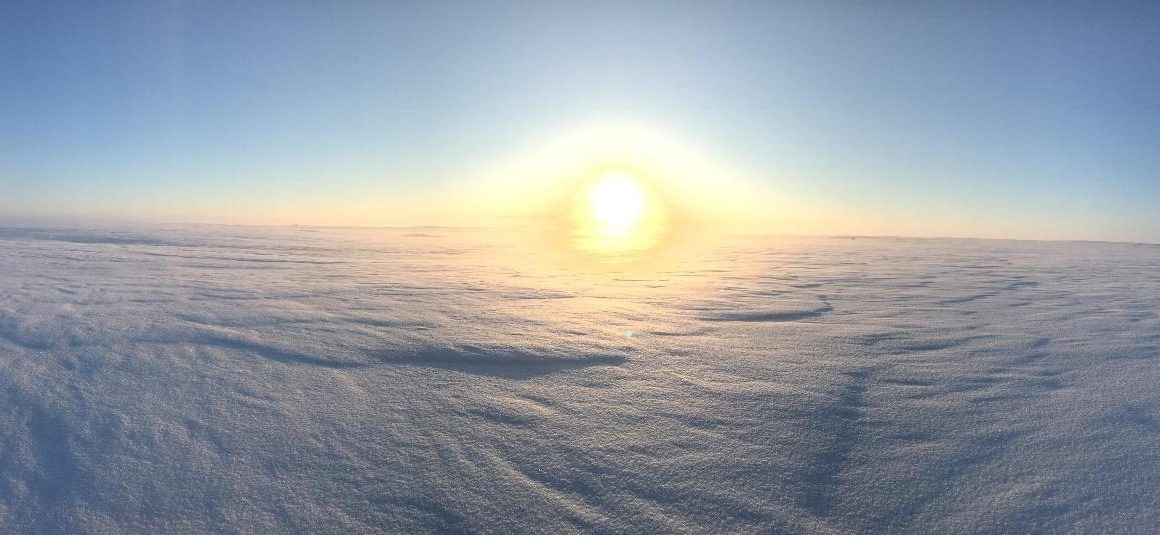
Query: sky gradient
{"x": 1032, "y": 121}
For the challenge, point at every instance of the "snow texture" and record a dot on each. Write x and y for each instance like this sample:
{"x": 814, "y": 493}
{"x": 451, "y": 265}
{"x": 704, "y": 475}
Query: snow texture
{"x": 215, "y": 378}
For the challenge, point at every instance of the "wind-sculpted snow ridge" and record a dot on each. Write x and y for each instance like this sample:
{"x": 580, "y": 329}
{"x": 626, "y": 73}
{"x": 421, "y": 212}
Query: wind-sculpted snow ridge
{"x": 216, "y": 378}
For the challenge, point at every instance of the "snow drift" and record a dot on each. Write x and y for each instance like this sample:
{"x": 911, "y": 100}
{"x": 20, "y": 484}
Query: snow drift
{"x": 294, "y": 379}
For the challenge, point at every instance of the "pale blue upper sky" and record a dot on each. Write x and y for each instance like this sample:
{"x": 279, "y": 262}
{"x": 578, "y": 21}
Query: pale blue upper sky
{"x": 1040, "y": 120}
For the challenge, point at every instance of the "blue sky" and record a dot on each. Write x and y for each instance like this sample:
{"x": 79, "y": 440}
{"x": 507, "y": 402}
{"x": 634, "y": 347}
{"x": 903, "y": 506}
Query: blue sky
{"x": 1039, "y": 120}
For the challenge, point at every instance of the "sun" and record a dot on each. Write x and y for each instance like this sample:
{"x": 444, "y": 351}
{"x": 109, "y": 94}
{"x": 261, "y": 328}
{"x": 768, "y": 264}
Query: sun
{"x": 616, "y": 215}
{"x": 616, "y": 200}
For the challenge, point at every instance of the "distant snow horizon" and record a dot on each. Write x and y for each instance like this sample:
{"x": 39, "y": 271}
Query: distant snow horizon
{"x": 61, "y": 221}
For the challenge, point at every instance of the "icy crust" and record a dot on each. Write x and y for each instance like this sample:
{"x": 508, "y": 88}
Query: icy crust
{"x": 192, "y": 379}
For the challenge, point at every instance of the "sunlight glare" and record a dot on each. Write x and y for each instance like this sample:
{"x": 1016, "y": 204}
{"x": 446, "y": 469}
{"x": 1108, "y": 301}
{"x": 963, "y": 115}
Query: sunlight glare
{"x": 618, "y": 214}
{"x": 616, "y": 201}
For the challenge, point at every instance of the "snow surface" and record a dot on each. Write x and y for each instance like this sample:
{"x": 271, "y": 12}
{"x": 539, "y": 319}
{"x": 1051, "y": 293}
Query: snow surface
{"x": 210, "y": 378}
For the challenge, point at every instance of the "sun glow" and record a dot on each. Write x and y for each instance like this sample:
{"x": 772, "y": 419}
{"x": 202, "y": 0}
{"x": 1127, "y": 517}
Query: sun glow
{"x": 617, "y": 213}
{"x": 616, "y": 201}
{"x": 614, "y": 190}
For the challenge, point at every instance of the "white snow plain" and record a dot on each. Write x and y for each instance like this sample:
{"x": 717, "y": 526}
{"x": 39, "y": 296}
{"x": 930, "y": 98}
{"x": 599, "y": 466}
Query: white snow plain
{"x": 244, "y": 379}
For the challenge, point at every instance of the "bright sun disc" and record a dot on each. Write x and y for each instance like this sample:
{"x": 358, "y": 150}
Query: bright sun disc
{"x": 616, "y": 214}
{"x": 616, "y": 201}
